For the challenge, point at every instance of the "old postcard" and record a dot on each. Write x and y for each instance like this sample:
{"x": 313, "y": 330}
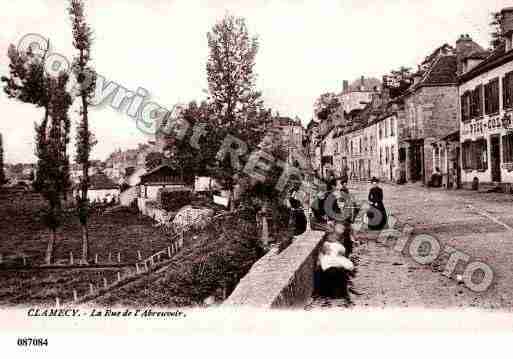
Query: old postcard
{"x": 257, "y": 167}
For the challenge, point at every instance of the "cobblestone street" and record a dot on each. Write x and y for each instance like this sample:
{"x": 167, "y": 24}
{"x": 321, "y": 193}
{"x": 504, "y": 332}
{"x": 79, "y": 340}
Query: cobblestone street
{"x": 477, "y": 224}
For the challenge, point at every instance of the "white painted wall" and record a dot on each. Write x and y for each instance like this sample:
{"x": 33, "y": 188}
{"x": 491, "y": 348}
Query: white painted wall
{"x": 465, "y": 133}
{"x": 99, "y": 194}
{"x": 383, "y": 143}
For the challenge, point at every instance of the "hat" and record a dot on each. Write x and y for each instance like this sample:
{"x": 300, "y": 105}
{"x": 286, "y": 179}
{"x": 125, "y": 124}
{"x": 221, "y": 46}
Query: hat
{"x": 374, "y": 179}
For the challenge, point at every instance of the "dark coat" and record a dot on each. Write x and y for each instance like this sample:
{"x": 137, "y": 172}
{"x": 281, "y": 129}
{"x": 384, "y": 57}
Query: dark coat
{"x": 377, "y": 214}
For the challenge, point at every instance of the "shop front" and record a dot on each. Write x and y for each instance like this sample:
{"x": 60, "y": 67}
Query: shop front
{"x": 487, "y": 151}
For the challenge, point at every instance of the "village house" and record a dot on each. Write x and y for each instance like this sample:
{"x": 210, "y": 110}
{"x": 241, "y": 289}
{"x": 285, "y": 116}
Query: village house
{"x": 486, "y": 130}
{"x": 432, "y": 111}
{"x": 159, "y": 180}
{"x": 119, "y": 161}
{"x": 75, "y": 171}
{"x": 358, "y": 94}
{"x": 101, "y": 188}
{"x": 388, "y": 147}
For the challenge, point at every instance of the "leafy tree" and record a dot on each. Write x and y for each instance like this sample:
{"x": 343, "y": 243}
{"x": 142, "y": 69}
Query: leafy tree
{"x": 231, "y": 79}
{"x": 52, "y": 139}
{"x": 398, "y": 81}
{"x": 2, "y": 171}
{"x": 29, "y": 83}
{"x": 326, "y": 105}
{"x": 497, "y": 36}
{"x": 82, "y": 40}
{"x": 153, "y": 160}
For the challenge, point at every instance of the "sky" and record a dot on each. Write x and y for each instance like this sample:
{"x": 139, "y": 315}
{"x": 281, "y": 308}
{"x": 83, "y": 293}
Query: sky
{"x": 306, "y": 48}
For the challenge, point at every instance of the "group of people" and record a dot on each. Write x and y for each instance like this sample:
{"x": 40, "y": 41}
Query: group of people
{"x": 334, "y": 211}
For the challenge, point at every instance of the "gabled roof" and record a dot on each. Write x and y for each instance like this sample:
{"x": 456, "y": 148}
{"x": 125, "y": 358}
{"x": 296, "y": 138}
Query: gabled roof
{"x": 160, "y": 174}
{"x": 498, "y": 58}
{"x": 443, "y": 71}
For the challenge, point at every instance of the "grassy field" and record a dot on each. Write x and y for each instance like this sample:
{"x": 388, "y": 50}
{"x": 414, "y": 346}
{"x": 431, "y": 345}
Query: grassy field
{"x": 22, "y": 233}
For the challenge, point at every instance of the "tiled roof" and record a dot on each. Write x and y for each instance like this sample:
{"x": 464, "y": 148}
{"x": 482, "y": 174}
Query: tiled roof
{"x": 496, "y": 59}
{"x": 443, "y": 71}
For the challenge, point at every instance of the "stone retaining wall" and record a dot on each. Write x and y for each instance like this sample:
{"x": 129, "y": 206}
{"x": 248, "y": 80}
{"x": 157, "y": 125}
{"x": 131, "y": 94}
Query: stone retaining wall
{"x": 280, "y": 280}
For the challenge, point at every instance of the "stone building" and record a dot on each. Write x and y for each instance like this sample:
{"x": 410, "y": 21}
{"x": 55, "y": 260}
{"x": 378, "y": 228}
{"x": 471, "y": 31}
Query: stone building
{"x": 119, "y": 161}
{"x": 486, "y": 97}
{"x": 431, "y": 106}
{"x": 358, "y": 94}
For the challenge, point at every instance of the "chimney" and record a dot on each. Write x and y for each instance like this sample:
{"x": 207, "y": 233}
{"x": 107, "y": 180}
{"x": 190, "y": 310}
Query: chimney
{"x": 463, "y": 48}
{"x": 506, "y": 25}
{"x": 362, "y": 87}
{"x": 345, "y": 86}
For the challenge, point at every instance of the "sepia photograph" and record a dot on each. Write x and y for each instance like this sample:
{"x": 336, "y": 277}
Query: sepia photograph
{"x": 247, "y": 167}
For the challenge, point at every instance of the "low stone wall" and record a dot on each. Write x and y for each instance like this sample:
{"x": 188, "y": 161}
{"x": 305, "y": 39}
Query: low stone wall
{"x": 280, "y": 280}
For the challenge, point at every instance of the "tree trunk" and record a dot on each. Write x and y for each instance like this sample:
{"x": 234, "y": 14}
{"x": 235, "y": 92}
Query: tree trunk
{"x": 50, "y": 247}
{"x": 85, "y": 179}
{"x": 85, "y": 244}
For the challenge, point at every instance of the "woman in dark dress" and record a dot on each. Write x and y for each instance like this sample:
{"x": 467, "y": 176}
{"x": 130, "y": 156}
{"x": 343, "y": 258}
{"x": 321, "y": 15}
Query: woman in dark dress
{"x": 376, "y": 214}
{"x": 297, "y": 216}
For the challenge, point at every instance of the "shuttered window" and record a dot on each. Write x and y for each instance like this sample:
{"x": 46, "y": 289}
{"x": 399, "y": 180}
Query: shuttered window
{"x": 465, "y": 107}
{"x": 466, "y": 155}
{"x": 476, "y": 102}
{"x": 480, "y": 155}
{"x": 492, "y": 97}
{"x": 507, "y": 148}
{"x": 507, "y": 90}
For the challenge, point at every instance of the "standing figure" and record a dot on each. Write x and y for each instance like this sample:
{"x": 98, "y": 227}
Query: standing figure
{"x": 297, "y": 216}
{"x": 376, "y": 214}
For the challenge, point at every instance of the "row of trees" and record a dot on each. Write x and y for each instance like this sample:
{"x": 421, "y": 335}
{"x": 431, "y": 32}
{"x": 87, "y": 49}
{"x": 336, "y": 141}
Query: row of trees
{"x": 233, "y": 107}
{"x": 29, "y": 83}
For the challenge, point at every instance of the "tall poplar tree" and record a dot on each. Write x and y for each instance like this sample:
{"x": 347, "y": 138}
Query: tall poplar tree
{"x": 52, "y": 139}
{"x": 29, "y": 83}
{"x": 82, "y": 40}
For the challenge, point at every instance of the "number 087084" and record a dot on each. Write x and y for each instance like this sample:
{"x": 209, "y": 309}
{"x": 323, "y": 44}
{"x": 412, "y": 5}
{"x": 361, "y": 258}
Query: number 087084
{"x": 32, "y": 342}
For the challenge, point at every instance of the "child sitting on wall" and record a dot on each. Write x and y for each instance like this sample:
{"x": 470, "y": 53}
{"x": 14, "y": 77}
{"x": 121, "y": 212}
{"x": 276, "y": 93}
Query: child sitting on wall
{"x": 334, "y": 268}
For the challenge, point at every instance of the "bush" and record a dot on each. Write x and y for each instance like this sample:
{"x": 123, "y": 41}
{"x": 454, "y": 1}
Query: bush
{"x": 174, "y": 200}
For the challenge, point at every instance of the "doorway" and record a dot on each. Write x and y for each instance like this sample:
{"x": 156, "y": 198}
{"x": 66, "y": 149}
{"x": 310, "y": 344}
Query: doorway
{"x": 416, "y": 150}
{"x": 495, "y": 157}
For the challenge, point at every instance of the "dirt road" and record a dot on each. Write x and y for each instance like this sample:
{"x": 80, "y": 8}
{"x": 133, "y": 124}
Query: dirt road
{"x": 476, "y": 224}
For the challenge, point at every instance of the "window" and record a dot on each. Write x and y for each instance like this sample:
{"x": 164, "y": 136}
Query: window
{"x": 492, "y": 97}
{"x": 392, "y": 157}
{"x": 465, "y": 107}
{"x": 507, "y": 148}
{"x": 466, "y": 156}
{"x": 476, "y": 103}
{"x": 402, "y": 154}
{"x": 381, "y": 155}
{"x": 475, "y": 155}
{"x": 481, "y": 154}
{"x": 380, "y": 130}
{"x": 387, "y": 155}
{"x": 507, "y": 90}
{"x": 392, "y": 126}
{"x": 386, "y": 128}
